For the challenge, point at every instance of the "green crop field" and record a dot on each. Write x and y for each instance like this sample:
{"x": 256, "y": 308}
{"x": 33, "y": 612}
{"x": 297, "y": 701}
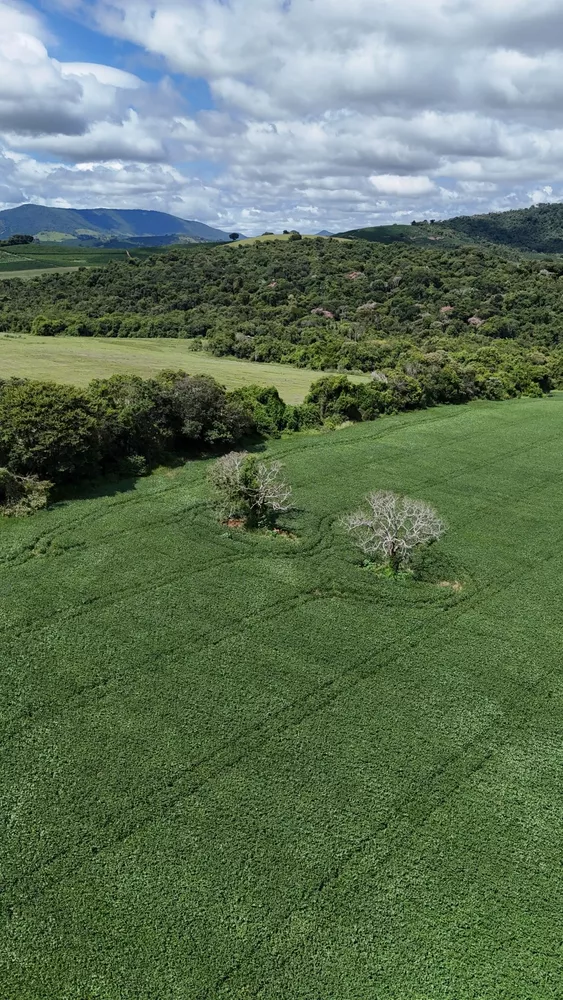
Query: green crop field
{"x": 31, "y": 260}
{"x": 78, "y": 360}
{"x": 236, "y": 766}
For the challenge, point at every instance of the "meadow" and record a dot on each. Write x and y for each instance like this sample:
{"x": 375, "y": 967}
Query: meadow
{"x": 78, "y": 360}
{"x": 238, "y": 766}
{"x": 31, "y": 260}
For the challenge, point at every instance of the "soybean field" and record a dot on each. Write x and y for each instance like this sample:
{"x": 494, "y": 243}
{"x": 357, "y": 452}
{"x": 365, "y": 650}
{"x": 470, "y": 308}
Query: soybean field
{"x": 243, "y": 766}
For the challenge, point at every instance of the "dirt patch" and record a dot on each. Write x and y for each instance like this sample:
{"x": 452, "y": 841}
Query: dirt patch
{"x": 285, "y": 534}
{"x": 454, "y": 585}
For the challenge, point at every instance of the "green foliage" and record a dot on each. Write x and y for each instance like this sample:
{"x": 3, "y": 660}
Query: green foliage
{"x": 124, "y": 423}
{"x": 17, "y": 240}
{"x": 47, "y": 430}
{"x": 22, "y": 495}
{"x": 249, "y": 489}
{"x": 240, "y": 767}
{"x": 536, "y": 229}
{"x": 347, "y": 306}
{"x": 269, "y": 414}
{"x": 133, "y": 417}
{"x": 203, "y": 414}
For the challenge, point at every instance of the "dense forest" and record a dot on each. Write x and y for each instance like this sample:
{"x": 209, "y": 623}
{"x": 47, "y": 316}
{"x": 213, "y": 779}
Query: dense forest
{"x": 532, "y": 230}
{"x": 318, "y": 303}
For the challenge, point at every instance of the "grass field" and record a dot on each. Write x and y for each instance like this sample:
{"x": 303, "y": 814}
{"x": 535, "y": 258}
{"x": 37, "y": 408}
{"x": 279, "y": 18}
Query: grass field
{"x": 240, "y": 767}
{"x": 78, "y": 360}
{"x": 26, "y": 273}
{"x": 30, "y": 261}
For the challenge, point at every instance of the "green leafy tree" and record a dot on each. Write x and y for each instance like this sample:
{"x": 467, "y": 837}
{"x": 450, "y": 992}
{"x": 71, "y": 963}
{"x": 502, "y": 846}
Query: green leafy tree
{"x": 48, "y": 430}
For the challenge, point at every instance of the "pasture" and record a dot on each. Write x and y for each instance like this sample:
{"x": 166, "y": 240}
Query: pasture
{"x": 236, "y": 766}
{"x": 78, "y": 360}
{"x": 32, "y": 260}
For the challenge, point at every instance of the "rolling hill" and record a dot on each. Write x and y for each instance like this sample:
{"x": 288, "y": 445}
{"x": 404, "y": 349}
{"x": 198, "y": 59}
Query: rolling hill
{"x": 531, "y": 230}
{"x": 95, "y": 226}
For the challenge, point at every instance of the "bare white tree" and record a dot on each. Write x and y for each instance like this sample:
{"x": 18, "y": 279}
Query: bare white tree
{"x": 249, "y": 488}
{"x": 392, "y": 527}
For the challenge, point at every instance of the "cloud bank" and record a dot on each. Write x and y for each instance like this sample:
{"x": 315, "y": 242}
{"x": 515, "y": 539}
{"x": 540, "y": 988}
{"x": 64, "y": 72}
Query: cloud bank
{"x": 322, "y": 114}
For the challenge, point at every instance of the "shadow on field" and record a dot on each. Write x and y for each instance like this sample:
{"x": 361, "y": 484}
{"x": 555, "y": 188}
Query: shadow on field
{"x": 115, "y": 483}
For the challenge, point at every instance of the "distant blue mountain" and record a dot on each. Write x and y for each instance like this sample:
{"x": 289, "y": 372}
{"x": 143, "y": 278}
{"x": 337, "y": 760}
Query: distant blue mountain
{"x": 91, "y": 225}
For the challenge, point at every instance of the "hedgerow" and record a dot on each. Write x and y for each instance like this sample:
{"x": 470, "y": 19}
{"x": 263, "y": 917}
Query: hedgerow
{"x": 127, "y": 424}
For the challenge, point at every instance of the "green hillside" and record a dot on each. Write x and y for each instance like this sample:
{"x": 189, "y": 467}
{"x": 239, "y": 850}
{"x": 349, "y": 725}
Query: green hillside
{"x": 236, "y": 766}
{"x": 315, "y": 303}
{"x": 533, "y": 230}
{"x": 101, "y": 224}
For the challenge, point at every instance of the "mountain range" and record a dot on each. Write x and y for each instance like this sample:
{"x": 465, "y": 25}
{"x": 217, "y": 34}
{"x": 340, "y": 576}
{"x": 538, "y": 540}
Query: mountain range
{"x": 104, "y": 226}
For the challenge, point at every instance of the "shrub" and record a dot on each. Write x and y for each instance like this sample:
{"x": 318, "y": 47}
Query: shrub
{"x": 250, "y": 489}
{"x": 393, "y": 527}
{"x": 22, "y": 495}
{"x": 336, "y": 397}
{"x": 133, "y": 417}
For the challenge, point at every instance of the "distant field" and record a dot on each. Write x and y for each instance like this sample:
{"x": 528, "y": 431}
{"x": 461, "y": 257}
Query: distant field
{"x": 36, "y": 258}
{"x": 79, "y": 360}
{"x": 236, "y": 767}
{"x": 26, "y": 273}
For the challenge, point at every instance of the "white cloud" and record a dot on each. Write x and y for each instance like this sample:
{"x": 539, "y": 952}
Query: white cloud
{"x": 345, "y": 113}
{"x": 395, "y": 184}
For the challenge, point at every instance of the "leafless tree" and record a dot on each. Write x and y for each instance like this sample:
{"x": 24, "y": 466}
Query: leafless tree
{"x": 392, "y": 527}
{"x": 250, "y": 488}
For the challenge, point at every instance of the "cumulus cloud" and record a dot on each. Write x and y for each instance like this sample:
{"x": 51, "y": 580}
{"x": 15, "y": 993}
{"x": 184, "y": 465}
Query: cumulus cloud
{"x": 326, "y": 114}
{"x": 395, "y": 184}
{"x": 74, "y": 110}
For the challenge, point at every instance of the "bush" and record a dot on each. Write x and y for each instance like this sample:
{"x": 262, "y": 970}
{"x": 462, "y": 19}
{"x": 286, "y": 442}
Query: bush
{"x": 249, "y": 489}
{"x": 22, "y": 495}
{"x": 336, "y": 398}
{"x": 133, "y": 418}
{"x": 202, "y": 413}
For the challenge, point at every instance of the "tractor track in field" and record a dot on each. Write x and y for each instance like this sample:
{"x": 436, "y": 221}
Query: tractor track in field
{"x": 221, "y": 761}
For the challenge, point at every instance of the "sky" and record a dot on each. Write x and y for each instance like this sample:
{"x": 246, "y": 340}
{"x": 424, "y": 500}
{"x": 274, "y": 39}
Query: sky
{"x": 262, "y": 115}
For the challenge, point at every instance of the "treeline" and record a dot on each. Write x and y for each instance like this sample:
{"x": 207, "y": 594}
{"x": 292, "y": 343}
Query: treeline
{"x": 317, "y": 303}
{"x": 122, "y": 424}
{"x": 56, "y": 434}
{"x": 17, "y": 240}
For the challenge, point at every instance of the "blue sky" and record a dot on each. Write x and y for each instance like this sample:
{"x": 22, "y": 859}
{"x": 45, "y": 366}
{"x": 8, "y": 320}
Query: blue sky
{"x": 268, "y": 114}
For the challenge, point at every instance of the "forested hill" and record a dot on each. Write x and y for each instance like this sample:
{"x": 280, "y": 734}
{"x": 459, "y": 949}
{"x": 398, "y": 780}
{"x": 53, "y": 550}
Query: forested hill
{"x": 533, "y": 230}
{"x": 101, "y": 224}
{"x": 319, "y": 303}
